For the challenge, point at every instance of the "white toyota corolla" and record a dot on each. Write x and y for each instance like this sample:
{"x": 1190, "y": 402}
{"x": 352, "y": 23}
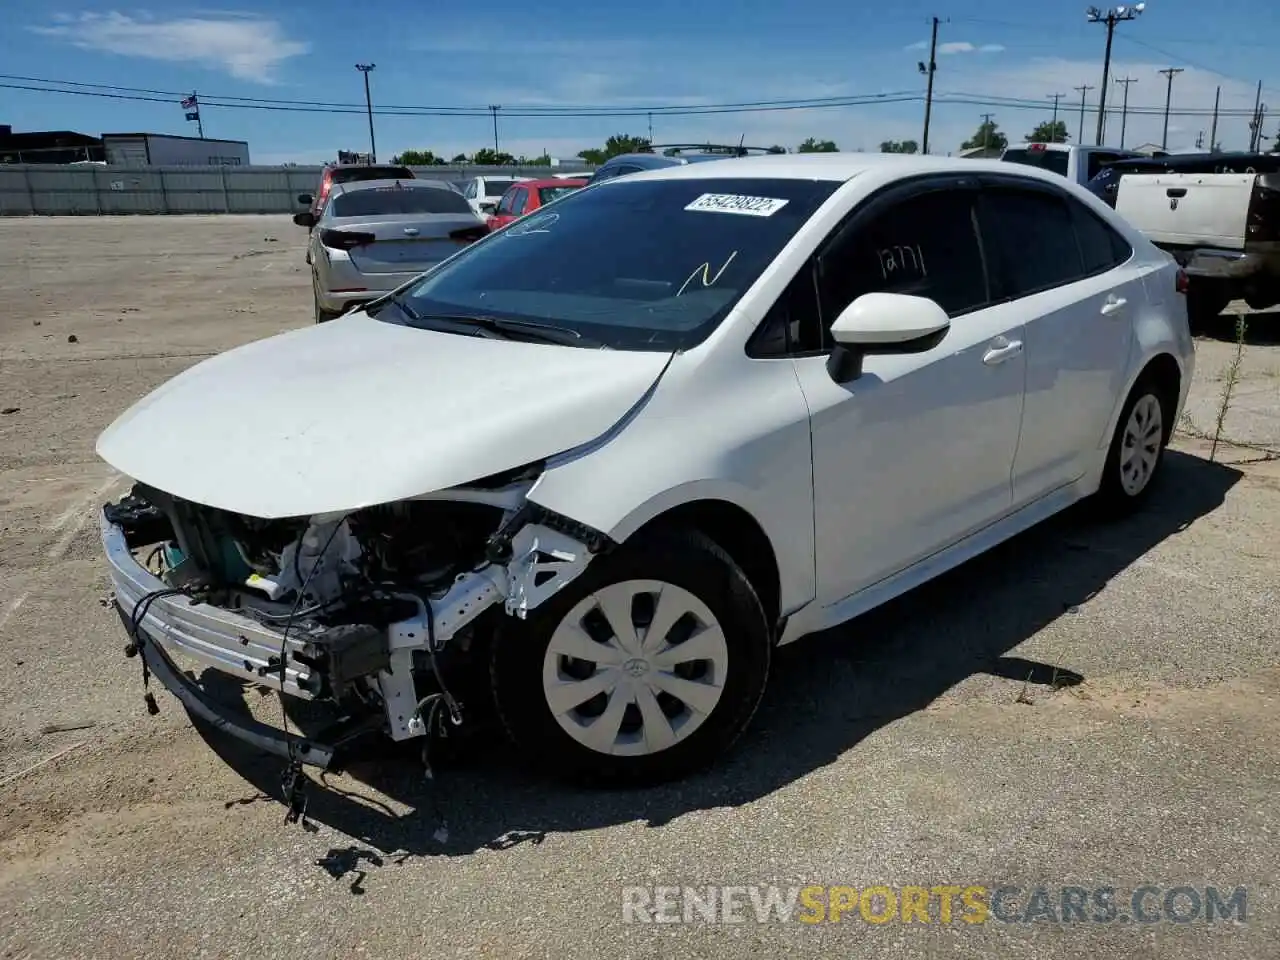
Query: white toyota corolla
{"x": 626, "y": 447}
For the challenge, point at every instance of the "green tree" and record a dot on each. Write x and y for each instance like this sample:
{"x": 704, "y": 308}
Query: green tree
{"x": 460, "y": 158}
{"x": 812, "y": 145}
{"x": 988, "y": 135}
{"x": 1049, "y": 132}
{"x": 777, "y": 149}
{"x": 542, "y": 161}
{"x": 419, "y": 158}
{"x": 899, "y": 146}
{"x": 616, "y": 145}
{"x": 488, "y": 157}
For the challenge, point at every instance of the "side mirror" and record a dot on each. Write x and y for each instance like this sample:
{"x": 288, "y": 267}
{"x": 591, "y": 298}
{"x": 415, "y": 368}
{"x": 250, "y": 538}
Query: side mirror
{"x": 884, "y": 323}
{"x": 305, "y": 219}
{"x": 305, "y": 199}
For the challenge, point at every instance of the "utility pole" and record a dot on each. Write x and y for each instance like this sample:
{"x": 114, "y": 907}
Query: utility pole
{"x": 366, "y": 68}
{"x": 494, "y": 108}
{"x": 1171, "y": 72}
{"x": 650, "y": 128}
{"x": 1256, "y": 124}
{"x": 1110, "y": 18}
{"x": 1082, "y": 91}
{"x": 1213, "y": 130}
{"x": 1200, "y": 140}
{"x": 928, "y": 95}
{"x": 986, "y": 131}
{"x": 1055, "y": 97}
{"x": 1124, "y": 109}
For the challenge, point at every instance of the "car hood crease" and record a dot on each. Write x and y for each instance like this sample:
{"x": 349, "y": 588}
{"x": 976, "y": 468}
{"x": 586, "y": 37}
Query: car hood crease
{"x": 358, "y": 412}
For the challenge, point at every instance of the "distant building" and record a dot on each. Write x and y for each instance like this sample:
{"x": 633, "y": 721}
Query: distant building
{"x": 161, "y": 150}
{"x": 980, "y": 153}
{"x": 1150, "y": 149}
{"x": 48, "y": 146}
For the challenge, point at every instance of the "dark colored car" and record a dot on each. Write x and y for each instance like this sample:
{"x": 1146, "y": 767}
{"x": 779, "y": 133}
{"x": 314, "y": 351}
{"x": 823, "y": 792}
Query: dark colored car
{"x": 668, "y": 155}
{"x": 1107, "y": 181}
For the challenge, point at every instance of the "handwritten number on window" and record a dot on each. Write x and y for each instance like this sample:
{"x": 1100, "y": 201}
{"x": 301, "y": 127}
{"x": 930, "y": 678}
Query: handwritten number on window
{"x": 896, "y": 261}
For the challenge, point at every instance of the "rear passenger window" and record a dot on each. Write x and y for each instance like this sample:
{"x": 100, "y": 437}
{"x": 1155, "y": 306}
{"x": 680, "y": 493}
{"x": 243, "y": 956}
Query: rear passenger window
{"x": 926, "y": 246}
{"x": 1101, "y": 247}
{"x": 519, "y": 200}
{"x": 1030, "y": 237}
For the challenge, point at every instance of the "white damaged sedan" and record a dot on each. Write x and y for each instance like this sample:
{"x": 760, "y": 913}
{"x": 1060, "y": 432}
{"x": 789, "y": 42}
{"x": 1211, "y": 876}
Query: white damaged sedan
{"x": 626, "y": 447}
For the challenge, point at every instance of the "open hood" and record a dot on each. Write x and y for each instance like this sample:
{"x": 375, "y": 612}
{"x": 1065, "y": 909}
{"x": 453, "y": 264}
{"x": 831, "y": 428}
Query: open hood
{"x": 357, "y": 412}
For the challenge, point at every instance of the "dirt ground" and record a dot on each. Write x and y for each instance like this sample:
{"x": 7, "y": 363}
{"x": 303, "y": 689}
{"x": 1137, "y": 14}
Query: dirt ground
{"x": 1089, "y": 705}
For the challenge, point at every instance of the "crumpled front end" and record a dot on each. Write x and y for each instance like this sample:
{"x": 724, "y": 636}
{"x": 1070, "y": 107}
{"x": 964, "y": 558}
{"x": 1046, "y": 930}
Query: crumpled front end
{"x": 350, "y": 609}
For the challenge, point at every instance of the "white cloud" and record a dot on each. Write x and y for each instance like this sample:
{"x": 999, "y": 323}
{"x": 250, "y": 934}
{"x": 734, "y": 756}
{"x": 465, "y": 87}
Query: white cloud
{"x": 245, "y": 46}
{"x": 958, "y": 46}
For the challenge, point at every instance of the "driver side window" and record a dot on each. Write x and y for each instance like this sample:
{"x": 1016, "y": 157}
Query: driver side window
{"x": 924, "y": 245}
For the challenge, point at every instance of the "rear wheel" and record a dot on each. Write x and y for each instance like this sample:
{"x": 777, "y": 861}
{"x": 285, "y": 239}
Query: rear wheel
{"x": 1206, "y": 299}
{"x": 644, "y": 669}
{"x": 323, "y": 315}
{"x": 1137, "y": 449}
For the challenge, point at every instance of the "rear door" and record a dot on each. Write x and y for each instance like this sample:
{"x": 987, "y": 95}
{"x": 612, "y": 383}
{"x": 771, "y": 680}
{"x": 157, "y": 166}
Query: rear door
{"x": 1075, "y": 283}
{"x": 1188, "y": 209}
{"x": 404, "y": 229}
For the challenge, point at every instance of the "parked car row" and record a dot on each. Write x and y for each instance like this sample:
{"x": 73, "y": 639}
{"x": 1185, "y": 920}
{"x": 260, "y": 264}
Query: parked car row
{"x": 616, "y": 459}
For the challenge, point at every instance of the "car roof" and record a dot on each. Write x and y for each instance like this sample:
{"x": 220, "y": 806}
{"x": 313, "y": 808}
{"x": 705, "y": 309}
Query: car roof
{"x": 833, "y": 166}
{"x": 552, "y": 182}
{"x": 357, "y": 186}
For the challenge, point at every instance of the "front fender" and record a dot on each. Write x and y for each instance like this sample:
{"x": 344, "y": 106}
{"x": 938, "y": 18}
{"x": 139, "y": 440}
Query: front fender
{"x": 742, "y": 438}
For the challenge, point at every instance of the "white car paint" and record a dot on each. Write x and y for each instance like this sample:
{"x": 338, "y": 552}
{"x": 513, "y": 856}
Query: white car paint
{"x": 863, "y": 487}
{"x": 357, "y": 412}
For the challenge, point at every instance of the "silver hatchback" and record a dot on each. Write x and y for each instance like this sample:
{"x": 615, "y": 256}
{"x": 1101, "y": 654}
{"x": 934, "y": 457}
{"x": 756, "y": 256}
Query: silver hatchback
{"x": 377, "y": 234}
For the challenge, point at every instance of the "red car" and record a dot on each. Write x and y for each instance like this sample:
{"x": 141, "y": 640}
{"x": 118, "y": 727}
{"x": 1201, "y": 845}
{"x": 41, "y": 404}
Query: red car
{"x": 525, "y": 196}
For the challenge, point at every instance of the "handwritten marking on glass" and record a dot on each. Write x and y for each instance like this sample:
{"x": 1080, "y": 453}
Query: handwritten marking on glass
{"x": 895, "y": 260}
{"x": 704, "y": 271}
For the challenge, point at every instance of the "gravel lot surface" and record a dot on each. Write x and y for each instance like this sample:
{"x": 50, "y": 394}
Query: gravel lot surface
{"x": 942, "y": 740}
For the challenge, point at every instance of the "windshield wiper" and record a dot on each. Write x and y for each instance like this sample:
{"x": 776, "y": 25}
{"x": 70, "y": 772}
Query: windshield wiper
{"x": 514, "y": 329}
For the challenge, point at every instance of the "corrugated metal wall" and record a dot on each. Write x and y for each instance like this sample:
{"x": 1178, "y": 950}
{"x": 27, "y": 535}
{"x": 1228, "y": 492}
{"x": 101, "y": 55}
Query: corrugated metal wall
{"x": 49, "y": 190}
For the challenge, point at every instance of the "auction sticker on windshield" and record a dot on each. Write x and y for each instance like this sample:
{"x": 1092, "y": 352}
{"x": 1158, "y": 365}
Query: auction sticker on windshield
{"x": 735, "y": 203}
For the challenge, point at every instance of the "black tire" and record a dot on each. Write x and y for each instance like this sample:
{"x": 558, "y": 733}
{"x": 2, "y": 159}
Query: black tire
{"x": 323, "y": 315}
{"x": 687, "y": 560}
{"x": 1115, "y": 496}
{"x": 1206, "y": 300}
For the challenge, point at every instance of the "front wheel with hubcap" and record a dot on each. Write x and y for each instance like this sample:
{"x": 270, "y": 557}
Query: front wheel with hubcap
{"x": 1137, "y": 449}
{"x": 642, "y": 670}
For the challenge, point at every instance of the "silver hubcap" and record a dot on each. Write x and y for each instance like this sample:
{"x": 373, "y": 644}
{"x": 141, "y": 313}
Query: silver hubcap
{"x": 1140, "y": 446}
{"x": 635, "y": 668}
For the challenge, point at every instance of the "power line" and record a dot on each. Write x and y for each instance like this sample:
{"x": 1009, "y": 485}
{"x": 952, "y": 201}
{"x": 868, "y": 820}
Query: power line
{"x": 107, "y": 91}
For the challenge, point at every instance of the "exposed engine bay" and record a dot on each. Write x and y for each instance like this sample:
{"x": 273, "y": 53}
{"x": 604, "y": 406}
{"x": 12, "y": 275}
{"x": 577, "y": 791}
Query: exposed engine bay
{"x": 362, "y": 602}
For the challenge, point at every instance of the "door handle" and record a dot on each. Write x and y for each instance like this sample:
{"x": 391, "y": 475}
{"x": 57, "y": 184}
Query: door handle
{"x": 1113, "y": 306}
{"x": 1000, "y": 354}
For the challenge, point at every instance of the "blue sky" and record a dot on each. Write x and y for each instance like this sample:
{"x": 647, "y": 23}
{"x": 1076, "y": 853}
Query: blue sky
{"x": 625, "y": 55}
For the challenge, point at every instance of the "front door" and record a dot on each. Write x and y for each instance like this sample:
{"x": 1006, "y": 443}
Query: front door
{"x": 917, "y": 452}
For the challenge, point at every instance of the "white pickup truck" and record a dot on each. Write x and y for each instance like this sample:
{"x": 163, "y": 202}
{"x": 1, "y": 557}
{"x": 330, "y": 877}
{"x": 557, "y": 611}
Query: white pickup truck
{"x": 1077, "y": 163}
{"x": 1222, "y": 228}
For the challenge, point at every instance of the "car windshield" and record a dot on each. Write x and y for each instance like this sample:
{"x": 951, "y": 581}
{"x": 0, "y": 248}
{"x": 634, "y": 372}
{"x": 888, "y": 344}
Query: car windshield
{"x": 647, "y": 265}
{"x": 391, "y": 201}
{"x": 1055, "y": 160}
{"x": 496, "y": 188}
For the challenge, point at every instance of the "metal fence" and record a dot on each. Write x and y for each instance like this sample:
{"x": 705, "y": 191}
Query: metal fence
{"x": 49, "y": 190}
